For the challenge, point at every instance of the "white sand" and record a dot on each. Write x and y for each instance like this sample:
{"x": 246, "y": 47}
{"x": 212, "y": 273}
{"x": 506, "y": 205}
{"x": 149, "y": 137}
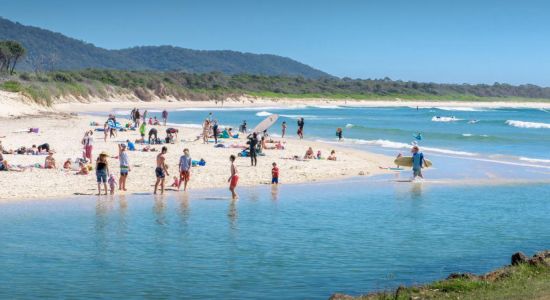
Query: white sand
{"x": 64, "y": 133}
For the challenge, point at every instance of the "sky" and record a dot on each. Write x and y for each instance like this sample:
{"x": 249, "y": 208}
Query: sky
{"x": 466, "y": 41}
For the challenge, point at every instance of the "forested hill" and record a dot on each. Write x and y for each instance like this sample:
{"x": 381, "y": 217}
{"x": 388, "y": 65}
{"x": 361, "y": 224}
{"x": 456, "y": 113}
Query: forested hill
{"x": 47, "y": 51}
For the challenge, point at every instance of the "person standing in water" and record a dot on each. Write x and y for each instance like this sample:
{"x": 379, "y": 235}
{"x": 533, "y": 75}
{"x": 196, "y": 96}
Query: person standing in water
{"x": 283, "y": 129}
{"x": 124, "y": 166}
{"x": 164, "y": 116}
{"x": 418, "y": 162}
{"x": 161, "y": 171}
{"x": 339, "y": 133}
{"x": 234, "y": 178}
{"x": 301, "y": 128}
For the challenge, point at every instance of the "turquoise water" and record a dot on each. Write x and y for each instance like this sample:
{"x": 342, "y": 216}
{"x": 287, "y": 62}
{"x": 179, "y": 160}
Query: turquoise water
{"x": 301, "y": 241}
{"x": 298, "y": 242}
{"x": 512, "y": 135}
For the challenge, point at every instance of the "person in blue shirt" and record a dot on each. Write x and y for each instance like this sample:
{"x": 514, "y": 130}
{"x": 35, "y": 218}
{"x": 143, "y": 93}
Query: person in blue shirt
{"x": 131, "y": 146}
{"x": 418, "y": 162}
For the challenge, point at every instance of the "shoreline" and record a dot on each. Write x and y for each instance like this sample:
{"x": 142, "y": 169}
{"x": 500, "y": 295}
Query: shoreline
{"x": 16, "y": 104}
{"x": 64, "y": 132}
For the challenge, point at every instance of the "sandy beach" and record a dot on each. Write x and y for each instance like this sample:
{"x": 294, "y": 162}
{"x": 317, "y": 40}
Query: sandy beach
{"x": 64, "y": 132}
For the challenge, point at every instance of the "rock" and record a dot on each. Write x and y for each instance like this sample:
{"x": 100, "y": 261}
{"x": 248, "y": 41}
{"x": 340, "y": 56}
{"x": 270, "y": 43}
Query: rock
{"x": 519, "y": 258}
{"x": 543, "y": 254}
{"x": 338, "y": 296}
{"x": 462, "y": 276}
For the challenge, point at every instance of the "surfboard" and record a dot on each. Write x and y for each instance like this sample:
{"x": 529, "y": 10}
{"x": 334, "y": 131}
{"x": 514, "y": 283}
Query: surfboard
{"x": 266, "y": 123}
{"x": 407, "y": 161}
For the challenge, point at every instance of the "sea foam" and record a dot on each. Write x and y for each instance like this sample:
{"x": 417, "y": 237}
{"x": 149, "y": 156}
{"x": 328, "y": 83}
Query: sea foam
{"x": 522, "y": 124}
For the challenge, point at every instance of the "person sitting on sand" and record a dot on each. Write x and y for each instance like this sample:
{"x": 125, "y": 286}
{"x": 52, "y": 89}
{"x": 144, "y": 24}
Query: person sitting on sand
{"x": 150, "y": 121}
{"x": 44, "y": 148}
{"x": 2, "y": 165}
{"x": 161, "y": 171}
{"x": 319, "y": 154}
{"x": 131, "y": 146}
{"x": 4, "y": 150}
{"x": 83, "y": 169}
{"x": 156, "y": 121}
{"x": 171, "y": 135}
{"x": 309, "y": 154}
{"x": 332, "y": 155}
{"x": 67, "y": 165}
{"x": 176, "y": 182}
{"x": 49, "y": 162}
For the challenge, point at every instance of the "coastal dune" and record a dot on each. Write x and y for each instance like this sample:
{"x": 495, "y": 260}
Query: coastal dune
{"x": 64, "y": 132}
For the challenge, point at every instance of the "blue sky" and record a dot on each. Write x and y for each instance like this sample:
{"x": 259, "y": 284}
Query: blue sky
{"x": 481, "y": 41}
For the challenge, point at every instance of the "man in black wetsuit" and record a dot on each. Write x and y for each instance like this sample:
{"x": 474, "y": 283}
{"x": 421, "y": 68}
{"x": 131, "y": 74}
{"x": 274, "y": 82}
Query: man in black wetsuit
{"x": 253, "y": 142}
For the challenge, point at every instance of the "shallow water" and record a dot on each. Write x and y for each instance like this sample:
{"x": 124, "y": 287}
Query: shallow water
{"x": 297, "y": 242}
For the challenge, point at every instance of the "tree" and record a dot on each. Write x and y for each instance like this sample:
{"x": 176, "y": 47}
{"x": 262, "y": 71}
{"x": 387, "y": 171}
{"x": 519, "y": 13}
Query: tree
{"x": 17, "y": 51}
{"x": 5, "y": 55}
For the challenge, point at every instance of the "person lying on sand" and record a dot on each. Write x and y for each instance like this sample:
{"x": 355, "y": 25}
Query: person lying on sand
{"x": 67, "y": 165}
{"x": 309, "y": 154}
{"x": 49, "y": 162}
{"x": 332, "y": 155}
{"x": 4, "y": 150}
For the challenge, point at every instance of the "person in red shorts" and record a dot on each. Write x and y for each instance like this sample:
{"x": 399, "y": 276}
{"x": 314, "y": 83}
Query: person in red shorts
{"x": 234, "y": 178}
{"x": 275, "y": 174}
{"x": 185, "y": 169}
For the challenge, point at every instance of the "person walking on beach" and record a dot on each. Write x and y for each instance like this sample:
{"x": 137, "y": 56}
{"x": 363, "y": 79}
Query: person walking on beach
{"x": 133, "y": 115}
{"x": 185, "y": 169}
{"x": 88, "y": 142}
{"x": 164, "y": 116}
{"x": 215, "y": 131}
{"x": 161, "y": 170}
{"x": 418, "y": 162}
{"x": 205, "y": 131}
{"x": 105, "y": 131}
{"x": 137, "y": 116}
{"x": 283, "y": 129}
{"x": 252, "y": 146}
{"x": 142, "y": 132}
{"x": 102, "y": 172}
{"x": 124, "y": 166}
{"x": 233, "y": 179}
{"x": 144, "y": 116}
{"x": 301, "y": 128}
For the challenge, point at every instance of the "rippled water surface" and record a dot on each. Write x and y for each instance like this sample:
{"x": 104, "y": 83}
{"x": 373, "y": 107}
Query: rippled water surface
{"x": 297, "y": 242}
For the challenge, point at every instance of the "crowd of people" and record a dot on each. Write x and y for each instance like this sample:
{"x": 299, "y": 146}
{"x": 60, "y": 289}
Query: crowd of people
{"x": 257, "y": 143}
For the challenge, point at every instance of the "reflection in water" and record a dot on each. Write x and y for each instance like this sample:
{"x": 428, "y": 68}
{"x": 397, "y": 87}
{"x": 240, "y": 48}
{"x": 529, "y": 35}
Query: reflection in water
{"x": 233, "y": 215}
{"x": 416, "y": 191}
{"x": 102, "y": 208}
{"x": 184, "y": 210}
{"x": 159, "y": 210}
{"x": 274, "y": 192}
{"x": 122, "y": 210}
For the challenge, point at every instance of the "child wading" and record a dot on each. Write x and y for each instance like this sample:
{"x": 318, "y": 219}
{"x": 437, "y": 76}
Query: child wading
{"x": 275, "y": 174}
{"x": 234, "y": 178}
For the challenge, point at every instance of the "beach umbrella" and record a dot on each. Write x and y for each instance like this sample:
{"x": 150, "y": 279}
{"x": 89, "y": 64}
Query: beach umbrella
{"x": 266, "y": 123}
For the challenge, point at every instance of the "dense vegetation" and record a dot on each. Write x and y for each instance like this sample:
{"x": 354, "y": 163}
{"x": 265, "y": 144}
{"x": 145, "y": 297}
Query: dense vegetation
{"x": 44, "y": 86}
{"x": 48, "y": 51}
